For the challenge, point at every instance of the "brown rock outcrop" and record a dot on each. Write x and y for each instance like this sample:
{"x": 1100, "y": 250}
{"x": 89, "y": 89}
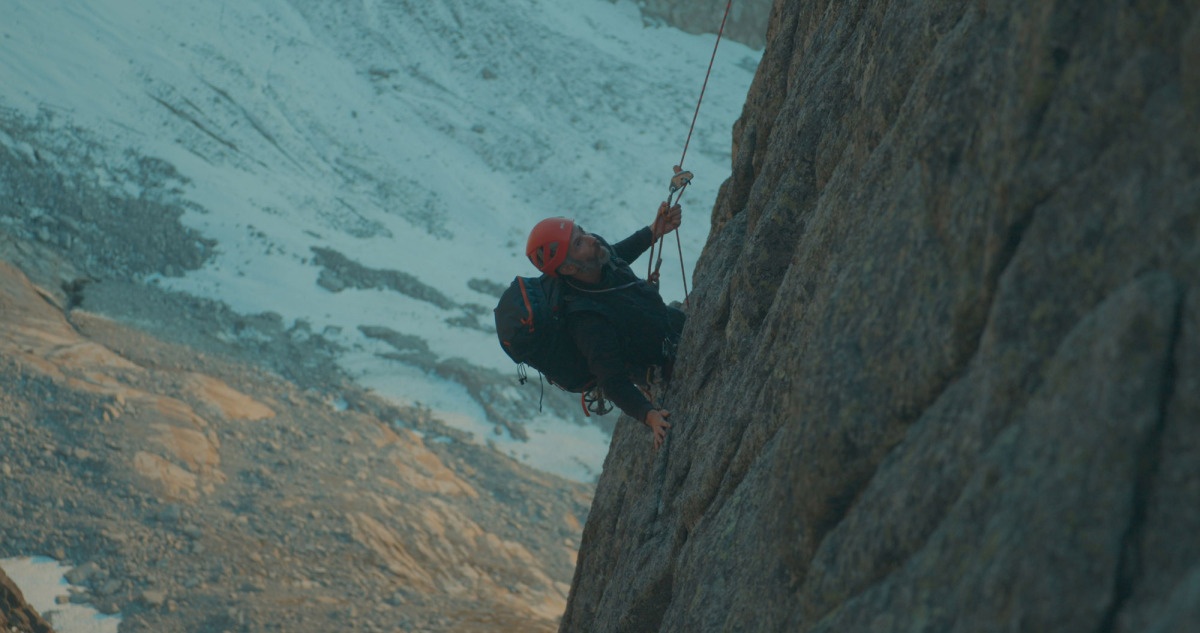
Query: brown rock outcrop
{"x": 942, "y": 368}
{"x": 175, "y": 453}
{"x": 15, "y": 614}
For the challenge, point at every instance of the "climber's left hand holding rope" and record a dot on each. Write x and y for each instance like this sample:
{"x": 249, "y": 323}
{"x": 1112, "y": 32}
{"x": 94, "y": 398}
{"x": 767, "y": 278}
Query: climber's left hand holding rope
{"x": 667, "y": 220}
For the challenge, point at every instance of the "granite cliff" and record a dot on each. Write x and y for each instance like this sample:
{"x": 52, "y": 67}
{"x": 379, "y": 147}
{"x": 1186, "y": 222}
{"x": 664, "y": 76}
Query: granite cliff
{"x": 942, "y": 367}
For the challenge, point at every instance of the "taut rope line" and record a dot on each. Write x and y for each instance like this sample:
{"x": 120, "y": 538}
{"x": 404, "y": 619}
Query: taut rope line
{"x": 682, "y": 176}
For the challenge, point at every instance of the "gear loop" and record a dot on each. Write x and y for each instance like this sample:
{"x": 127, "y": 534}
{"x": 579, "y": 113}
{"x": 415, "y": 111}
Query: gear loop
{"x": 594, "y": 402}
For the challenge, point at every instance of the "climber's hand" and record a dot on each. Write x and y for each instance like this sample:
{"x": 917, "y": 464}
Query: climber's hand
{"x": 667, "y": 220}
{"x": 657, "y": 421}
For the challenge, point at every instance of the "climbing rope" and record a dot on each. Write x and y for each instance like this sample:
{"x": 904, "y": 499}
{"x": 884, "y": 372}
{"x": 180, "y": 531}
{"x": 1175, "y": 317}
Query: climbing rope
{"x": 682, "y": 178}
{"x": 702, "y": 88}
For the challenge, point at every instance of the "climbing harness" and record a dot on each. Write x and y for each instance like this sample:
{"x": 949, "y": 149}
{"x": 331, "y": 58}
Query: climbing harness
{"x": 593, "y": 400}
{"x": 682, "y": 179}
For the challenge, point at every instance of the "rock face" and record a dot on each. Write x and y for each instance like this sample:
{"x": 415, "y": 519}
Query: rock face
{"x": 747, "y": 21}
{"x": 15, "y": 614}
{"x": 942, "y": 369}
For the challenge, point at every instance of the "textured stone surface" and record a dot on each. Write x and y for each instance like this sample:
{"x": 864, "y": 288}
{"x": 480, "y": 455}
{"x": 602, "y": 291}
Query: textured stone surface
{"x": 15, "y": 614}
{"x": 943, "y": 358}
{"x": 747, "y": 22}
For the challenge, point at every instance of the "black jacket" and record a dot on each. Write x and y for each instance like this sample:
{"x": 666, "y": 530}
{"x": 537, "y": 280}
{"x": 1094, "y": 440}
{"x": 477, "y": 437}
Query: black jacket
{"x": 621, "y": 325}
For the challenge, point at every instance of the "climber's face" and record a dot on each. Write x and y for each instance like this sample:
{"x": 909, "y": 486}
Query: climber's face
{"x": 585, "y": 253}
{"x": 583, "y": 245}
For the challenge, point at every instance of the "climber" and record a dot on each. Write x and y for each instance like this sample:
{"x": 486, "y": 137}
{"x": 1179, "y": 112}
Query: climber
{"x": 617, "y": 320}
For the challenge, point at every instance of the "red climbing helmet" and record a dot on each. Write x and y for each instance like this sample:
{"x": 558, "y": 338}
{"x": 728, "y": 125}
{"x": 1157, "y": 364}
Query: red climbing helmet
{"x": 547, "y": 245}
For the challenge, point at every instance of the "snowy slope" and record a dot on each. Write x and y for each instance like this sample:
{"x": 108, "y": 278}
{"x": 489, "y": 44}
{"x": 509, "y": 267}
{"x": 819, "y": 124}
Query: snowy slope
{"x": 417, "y": 136}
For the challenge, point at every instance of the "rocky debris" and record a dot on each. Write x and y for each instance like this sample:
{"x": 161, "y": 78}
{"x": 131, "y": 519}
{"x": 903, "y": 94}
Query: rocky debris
{"x": 87, "y": 225}
{"x": 487, "y": 287}
{"x": 55, "y": 193}
{"x": 212, "y": 328}
{"x": 196, "y": 490}
{"x": 340, "y": 272}
{"x": 84, "y": 573}
{"x": 942, "y": 364}
{"x": 407, "y": 346}
{"x": 152, "y": 598}
{"x": 506, "y": 401}
{"x": 474, "y": 317}
{"x": 15, "y": 615}
{"x": 747, "y": 22}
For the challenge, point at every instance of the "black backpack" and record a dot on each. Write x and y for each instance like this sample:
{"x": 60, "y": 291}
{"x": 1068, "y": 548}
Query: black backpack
{"x": 531, "y": 323}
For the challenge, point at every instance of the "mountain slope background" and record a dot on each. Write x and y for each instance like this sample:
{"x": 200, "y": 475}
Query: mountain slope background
{"x": 365, "y": 173}
{"x": 942, "y": 365}
{"x": 193, "y": 488}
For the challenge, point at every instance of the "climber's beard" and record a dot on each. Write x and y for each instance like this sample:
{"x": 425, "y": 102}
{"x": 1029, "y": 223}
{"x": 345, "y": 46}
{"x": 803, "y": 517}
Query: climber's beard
{"x": 596, "y": 262}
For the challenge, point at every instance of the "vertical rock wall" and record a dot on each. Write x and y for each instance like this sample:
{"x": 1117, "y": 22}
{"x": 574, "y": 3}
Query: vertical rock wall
{"x": 942, "y": 368}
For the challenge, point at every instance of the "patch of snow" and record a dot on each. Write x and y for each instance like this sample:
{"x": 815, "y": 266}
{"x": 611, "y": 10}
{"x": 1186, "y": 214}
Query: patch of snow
{"x": 41, "y": 580}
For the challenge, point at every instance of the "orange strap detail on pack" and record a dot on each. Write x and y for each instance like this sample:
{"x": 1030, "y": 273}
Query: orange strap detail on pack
{"x": 528, "y": 307}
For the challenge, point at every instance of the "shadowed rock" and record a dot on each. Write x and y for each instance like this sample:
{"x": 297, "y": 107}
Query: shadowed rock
{"x": 15, "y": 614}
{"x": 942, "y": 362}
